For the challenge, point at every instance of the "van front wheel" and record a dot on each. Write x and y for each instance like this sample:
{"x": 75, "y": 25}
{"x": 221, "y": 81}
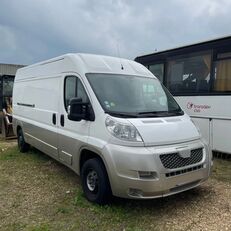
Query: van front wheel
{"x": 22, "y": 145}
{"x": 95, "y": 181}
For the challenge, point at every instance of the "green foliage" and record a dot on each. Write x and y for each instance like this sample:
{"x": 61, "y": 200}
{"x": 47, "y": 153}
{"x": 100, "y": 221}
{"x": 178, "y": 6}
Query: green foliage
{"x": 43, "y": 227}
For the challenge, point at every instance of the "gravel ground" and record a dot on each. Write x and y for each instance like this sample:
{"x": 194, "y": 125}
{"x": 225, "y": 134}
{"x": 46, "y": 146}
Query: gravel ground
{"x": 37, "y": 193}
{"x": 211, "y": 212}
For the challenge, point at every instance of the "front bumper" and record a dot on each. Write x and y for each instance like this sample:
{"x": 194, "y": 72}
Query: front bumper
{"x": 127, "y": 167}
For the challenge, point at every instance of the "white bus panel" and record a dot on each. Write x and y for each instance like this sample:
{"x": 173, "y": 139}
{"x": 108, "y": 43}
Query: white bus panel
{"x": 212, "y": 114}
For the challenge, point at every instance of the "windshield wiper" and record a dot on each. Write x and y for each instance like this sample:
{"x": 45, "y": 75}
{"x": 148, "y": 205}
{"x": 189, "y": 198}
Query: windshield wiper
{"x": 153, "y": 113}
{"x": 161, "y": 113}
{"x": 122, "y": 114}
{"x": 150, "y": 112}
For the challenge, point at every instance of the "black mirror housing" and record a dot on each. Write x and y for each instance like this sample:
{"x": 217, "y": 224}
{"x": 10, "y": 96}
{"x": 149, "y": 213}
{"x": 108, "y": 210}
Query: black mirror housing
{"x": 77, "y": 110}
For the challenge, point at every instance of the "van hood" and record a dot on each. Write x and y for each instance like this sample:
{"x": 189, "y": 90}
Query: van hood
{"x": 166, "y": 130}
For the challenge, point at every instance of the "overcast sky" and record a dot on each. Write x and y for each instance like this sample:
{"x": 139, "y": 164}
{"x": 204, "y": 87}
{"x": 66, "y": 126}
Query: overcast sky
{"x": 35, "y": 30}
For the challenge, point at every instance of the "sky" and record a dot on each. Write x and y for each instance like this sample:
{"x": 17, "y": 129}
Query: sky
{"x": 36, "y": 30}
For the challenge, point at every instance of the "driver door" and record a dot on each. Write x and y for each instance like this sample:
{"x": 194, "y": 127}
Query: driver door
{"x": 72, "y": 134}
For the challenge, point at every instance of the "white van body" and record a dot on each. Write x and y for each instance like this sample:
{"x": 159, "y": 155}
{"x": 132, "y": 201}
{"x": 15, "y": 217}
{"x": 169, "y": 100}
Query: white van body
{"x": 166, "y": 156}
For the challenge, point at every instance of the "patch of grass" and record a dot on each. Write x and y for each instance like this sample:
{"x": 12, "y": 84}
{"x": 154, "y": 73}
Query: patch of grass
{"x": 4, "y": 145}
{"x": 33, "y": 155}
{"x": 80, "y": 200}
{"x": 116, "y": 210}
{"x": 15, "y": 227}
{"x": 63, "y": 210}
{"x": 10, "y": 154}
{"x": 43, "y": 227}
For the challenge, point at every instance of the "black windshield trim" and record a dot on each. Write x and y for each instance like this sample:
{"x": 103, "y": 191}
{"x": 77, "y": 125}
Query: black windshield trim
{"x": 122, "y": 114}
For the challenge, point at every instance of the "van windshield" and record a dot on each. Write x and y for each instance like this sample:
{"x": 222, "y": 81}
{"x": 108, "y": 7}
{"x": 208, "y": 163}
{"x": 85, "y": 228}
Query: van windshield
{"x": 133, "y": 96}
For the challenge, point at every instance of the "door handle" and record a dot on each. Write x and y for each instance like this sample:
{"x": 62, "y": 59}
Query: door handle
{"x": 54, "y": 118}
{"x": 62, "y": 120}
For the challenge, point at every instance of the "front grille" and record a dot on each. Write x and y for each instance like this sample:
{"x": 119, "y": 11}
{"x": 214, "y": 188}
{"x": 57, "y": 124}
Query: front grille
{"x": 174, "y": 160}
{"x": 183, "y": 171}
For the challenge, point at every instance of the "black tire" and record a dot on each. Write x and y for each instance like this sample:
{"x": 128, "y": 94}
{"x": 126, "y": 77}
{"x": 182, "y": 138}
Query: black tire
{"x": 100, "y": 190}
{"x": 22, "y": 145}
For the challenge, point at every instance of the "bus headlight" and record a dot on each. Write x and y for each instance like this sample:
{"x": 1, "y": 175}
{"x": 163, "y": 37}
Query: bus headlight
{"x": 123, "y": 131}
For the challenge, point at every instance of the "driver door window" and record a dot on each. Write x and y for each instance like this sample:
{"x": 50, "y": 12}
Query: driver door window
{"x": 74, "y": 89}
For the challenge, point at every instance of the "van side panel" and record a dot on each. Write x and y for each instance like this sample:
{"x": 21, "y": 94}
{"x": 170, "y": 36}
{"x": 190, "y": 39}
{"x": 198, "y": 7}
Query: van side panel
{"x": 35, "y": 106}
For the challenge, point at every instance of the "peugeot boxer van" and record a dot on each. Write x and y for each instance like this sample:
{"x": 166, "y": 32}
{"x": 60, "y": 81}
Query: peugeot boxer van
{"x": 112, "y": 122}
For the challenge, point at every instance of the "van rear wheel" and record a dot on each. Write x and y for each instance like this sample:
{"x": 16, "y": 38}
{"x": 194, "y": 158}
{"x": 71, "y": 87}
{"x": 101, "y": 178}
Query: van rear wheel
{"x": 95, "y": 181}
{"x": 22, "y": 145}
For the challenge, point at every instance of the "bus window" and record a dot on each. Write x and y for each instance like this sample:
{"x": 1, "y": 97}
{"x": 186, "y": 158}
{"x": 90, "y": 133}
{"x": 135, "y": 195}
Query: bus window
{"x": 157, "y": 70}
{"x": 222, "y": 79}
{"x": 190, "y": 74}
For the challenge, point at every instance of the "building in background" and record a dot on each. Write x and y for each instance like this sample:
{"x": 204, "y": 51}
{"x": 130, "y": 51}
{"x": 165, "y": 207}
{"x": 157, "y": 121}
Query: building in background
{"x": 7, "y": 74}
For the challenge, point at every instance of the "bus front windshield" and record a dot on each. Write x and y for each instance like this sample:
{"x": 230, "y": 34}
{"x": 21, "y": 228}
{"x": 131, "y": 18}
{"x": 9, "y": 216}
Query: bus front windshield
{"x": 134, "y": 96}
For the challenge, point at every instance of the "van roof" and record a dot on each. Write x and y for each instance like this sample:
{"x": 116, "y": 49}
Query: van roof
{"x": 83, "y": 63}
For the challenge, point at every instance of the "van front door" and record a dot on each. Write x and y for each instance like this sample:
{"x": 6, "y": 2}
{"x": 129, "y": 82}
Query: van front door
{"x": 72, "y": 134}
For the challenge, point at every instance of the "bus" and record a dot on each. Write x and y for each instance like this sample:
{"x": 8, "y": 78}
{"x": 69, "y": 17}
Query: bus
{"x": 199, "y": 77}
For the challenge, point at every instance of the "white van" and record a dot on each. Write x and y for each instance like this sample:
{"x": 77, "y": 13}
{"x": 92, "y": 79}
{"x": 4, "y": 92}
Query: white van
{"x": 112, "y": 122}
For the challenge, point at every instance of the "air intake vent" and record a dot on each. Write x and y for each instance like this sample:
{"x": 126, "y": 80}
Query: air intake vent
{"x": 183, "y": 171}
{"x": 152, "y": 121}
{"x": 174, "y": 160}
{"x": 172, "y": 120}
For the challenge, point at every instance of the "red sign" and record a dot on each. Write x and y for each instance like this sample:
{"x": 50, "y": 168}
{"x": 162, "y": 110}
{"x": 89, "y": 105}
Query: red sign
{"x": 197, "y": 107}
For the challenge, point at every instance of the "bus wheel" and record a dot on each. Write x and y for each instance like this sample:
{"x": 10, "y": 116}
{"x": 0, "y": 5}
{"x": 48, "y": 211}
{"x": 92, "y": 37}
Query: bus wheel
{"x": 22, "y": 145}
{"x": 95, "y": 181}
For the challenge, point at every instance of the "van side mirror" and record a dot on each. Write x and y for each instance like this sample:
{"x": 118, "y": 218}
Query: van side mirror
{"x": 77, "y": 110}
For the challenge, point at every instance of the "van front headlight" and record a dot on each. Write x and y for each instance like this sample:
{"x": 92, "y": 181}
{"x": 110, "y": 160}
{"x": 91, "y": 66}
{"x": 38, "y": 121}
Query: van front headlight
{"x": 126, "y": 132}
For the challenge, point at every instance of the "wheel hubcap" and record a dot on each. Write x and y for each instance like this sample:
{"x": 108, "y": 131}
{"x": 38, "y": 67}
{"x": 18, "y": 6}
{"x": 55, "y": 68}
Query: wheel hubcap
{"x": 92, "y": 180}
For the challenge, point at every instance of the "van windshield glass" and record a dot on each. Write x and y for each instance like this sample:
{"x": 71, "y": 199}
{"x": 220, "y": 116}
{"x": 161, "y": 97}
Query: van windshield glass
{"x": 134, "y": 96}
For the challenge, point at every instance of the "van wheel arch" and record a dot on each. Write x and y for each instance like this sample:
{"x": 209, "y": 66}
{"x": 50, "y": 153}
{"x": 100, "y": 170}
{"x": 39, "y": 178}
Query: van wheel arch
{"x": 87, "y": 154}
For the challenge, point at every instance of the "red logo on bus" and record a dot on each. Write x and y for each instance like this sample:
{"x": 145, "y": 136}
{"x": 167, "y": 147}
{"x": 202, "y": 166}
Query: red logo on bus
{"x": 197, "y": 107}
{"x": 189, "y": 105}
